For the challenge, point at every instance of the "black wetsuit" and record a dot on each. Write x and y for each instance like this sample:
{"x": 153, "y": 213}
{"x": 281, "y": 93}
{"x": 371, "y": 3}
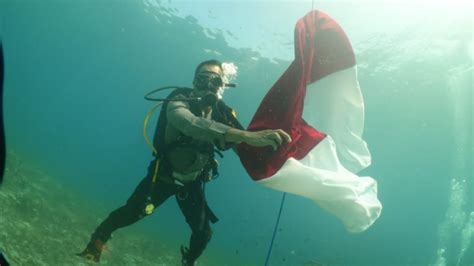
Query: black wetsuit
{"x": 191, "y": 201}
{"x": 182, "y": 118}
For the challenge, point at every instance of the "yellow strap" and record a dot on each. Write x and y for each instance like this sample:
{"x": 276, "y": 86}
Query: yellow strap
{"x": 148, "y": 142}
{"x": 145, "y": 126}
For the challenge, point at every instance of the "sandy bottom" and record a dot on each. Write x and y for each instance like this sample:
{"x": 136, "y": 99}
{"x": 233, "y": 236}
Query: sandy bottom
{"x": 42, "y": 223}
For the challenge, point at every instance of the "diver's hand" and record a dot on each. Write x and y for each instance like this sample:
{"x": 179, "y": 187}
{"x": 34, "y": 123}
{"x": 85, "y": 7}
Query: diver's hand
{"x": 268, "y": 137}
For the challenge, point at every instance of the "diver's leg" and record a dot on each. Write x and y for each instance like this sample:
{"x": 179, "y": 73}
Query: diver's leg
{"x": 191, "y": 201}
{"x": 131, "y": 212}
{"x": 134, "y": 209}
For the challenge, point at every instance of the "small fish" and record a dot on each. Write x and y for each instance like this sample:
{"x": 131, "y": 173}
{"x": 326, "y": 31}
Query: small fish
{"x": 314, "y": 263}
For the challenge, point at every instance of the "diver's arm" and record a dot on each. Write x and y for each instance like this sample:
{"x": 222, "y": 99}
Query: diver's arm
{"x": 200, "y": 128}
{"x": 237, "y": 134}
{"x": 180, "y": 117}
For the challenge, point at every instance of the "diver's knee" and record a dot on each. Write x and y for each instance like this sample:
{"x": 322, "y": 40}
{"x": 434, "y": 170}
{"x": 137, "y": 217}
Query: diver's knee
{"x": 205, "y": 234}
{"x": 133, "y": 211}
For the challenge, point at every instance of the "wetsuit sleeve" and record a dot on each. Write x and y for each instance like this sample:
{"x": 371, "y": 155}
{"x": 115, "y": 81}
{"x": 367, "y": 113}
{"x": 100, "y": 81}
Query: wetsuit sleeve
{"x": 200, "y": 128}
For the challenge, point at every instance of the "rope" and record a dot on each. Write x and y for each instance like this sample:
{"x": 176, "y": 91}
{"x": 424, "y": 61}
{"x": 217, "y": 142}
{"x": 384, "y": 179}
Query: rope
{"x": 281, "y": 207}
{"x": 275, "y": 229}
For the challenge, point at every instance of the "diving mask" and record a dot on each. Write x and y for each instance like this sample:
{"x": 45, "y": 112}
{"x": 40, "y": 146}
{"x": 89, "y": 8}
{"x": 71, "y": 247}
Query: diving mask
{"x": 208, "y": 80}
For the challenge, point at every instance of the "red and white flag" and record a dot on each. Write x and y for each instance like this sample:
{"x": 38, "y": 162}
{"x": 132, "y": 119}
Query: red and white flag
{"x": 318, "y": 102}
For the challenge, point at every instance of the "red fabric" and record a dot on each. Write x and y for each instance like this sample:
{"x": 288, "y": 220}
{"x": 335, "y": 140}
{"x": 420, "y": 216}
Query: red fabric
{"x": 321, "y": 48}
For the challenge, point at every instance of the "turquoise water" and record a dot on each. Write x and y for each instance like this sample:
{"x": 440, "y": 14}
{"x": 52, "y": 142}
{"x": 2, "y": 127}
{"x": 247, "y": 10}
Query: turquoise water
{"x": 76, "y": 73}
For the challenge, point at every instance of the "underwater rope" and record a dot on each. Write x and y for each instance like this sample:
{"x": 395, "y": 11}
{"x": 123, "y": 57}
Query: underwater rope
{"x": 281, "y": 204}
{"x": 275, "y": 229}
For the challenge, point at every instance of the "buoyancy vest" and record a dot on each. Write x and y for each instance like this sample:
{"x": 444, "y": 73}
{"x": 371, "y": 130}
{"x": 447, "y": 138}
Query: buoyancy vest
{"x": 221, "y": 113}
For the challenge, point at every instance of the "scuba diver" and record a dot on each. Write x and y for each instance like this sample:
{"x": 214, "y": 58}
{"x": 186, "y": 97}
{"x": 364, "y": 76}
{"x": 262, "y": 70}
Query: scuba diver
{"x": 193, "y": 125}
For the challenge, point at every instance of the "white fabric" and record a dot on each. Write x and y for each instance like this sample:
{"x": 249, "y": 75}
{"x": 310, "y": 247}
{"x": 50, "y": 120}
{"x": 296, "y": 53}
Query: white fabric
{"x": 321, "y": 177}
{"x": 334, "y": 106}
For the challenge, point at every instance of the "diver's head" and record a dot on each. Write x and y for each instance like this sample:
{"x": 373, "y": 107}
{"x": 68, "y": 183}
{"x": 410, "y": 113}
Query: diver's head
{"x": 208, "y": 81}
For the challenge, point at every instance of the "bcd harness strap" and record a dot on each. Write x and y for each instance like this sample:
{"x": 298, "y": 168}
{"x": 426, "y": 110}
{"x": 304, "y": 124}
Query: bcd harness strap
{"x": 221, "y": 113}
